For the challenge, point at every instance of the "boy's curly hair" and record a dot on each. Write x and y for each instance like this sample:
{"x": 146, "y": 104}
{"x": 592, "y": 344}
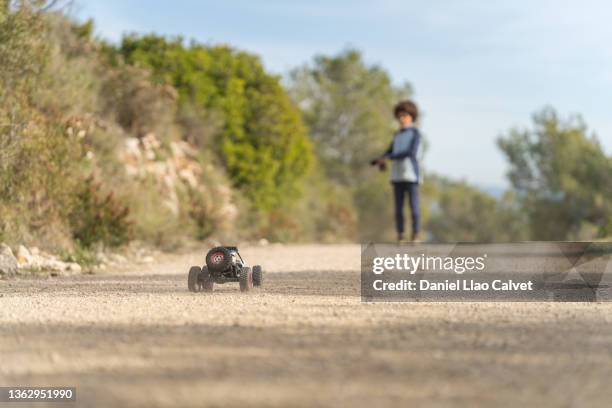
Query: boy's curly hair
{"x": 407, "y": 107}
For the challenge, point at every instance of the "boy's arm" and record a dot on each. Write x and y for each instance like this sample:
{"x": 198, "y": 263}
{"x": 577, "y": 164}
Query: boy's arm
{"x": 411, "y": 151}
{"x": 381, "y": 159}
{"x": 388, "y": 151}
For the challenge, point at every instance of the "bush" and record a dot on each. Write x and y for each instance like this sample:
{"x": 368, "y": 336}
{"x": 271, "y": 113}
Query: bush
{"x": 85, "y": 257}
{"x": 262, "y": 141}
{"x": 463, "y": 213}
{"x": 99, "y": 217}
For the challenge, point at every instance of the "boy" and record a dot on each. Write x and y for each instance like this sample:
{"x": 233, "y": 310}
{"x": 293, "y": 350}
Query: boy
{"x": 405, "y": 175}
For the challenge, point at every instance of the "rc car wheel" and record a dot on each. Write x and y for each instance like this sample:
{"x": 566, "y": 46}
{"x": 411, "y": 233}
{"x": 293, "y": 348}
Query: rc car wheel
{"x": 193, "y": 280}
{"x": 257, "y": 275}
{"x": 246, "y": 279}
{"x": 207, "y": 280}
{"x": 218, "y": 259}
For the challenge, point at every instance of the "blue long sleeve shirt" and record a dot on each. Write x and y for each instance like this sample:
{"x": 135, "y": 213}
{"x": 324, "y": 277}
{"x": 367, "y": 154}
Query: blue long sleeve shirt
{"x": 403, "y": 154}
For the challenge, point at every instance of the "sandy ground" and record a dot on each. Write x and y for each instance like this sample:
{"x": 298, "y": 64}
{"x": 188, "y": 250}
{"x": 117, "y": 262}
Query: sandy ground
{"x": 139, "y": 338}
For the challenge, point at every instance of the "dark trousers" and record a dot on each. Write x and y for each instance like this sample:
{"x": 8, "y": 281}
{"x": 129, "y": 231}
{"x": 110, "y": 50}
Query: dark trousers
{"x": 400, "y": 188}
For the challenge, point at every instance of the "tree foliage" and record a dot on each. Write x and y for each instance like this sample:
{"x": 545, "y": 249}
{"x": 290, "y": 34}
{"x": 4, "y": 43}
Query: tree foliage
{"x": 563, "y": 178}
{"x": 463, "y": 213}
{"x": 263, "y": 141}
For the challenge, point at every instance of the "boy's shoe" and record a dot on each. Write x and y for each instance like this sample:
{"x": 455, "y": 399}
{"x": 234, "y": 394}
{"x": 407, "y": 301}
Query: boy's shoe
{"x": 416, "y": 238}
{"x": 402, "y": 240}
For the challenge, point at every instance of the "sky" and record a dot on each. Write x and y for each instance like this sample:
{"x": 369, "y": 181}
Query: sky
{"x": 478, "y": 67}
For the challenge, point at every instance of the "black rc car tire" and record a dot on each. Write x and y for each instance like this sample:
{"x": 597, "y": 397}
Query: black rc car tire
{"x": 257, "y": 275}
{"x": 193, "y": 280}
{"x": 218, "y": 259}
{"x": 246, "y": 279}
{"x": 206, "y": 280}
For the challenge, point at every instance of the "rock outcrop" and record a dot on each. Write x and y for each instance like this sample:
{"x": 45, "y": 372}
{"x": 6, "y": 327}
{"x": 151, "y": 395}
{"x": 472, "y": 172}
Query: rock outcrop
{"x": 8, "y": 262}
{"x": 174, "y": 168}
{"x": 33, "y": 260}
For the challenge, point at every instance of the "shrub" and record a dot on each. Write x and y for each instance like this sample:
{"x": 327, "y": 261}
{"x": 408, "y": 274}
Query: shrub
{"x": 263, "y": 142}
{"x": 85, "y": 257}
{"x": 99, "y": 217}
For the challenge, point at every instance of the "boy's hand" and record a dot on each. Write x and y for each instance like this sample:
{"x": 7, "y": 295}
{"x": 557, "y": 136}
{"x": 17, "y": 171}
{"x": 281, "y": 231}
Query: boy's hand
{"x": 380, "y": 162}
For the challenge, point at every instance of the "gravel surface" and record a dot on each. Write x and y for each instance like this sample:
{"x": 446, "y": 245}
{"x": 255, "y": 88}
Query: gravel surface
{"x": 139, "y": 338}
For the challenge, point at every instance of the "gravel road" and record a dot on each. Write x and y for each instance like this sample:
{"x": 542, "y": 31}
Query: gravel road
{"x": 138, "y": 338}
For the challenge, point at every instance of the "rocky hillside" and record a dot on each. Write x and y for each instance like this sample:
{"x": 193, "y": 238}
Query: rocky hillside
{"x": 175, "y": 171}
{"x": 95, "y": 154}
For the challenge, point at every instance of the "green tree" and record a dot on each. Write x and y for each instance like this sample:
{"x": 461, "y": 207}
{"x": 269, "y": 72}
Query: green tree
{"x": 347, "y": 106}
{"x": 463, "y": 213}
{"x": 563, "y": 178}
{"x": 263, "y": 142}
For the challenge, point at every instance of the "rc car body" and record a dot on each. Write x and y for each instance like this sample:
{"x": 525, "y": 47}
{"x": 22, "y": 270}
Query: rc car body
{"x": 224, "y": 264}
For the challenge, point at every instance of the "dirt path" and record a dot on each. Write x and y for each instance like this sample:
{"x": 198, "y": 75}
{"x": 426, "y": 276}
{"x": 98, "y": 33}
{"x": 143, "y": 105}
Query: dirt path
{"x": 139, "y": 338}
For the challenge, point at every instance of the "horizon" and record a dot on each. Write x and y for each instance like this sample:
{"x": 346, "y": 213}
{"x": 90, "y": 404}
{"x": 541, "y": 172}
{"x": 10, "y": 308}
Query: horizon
{"x": 463, "y": 59}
